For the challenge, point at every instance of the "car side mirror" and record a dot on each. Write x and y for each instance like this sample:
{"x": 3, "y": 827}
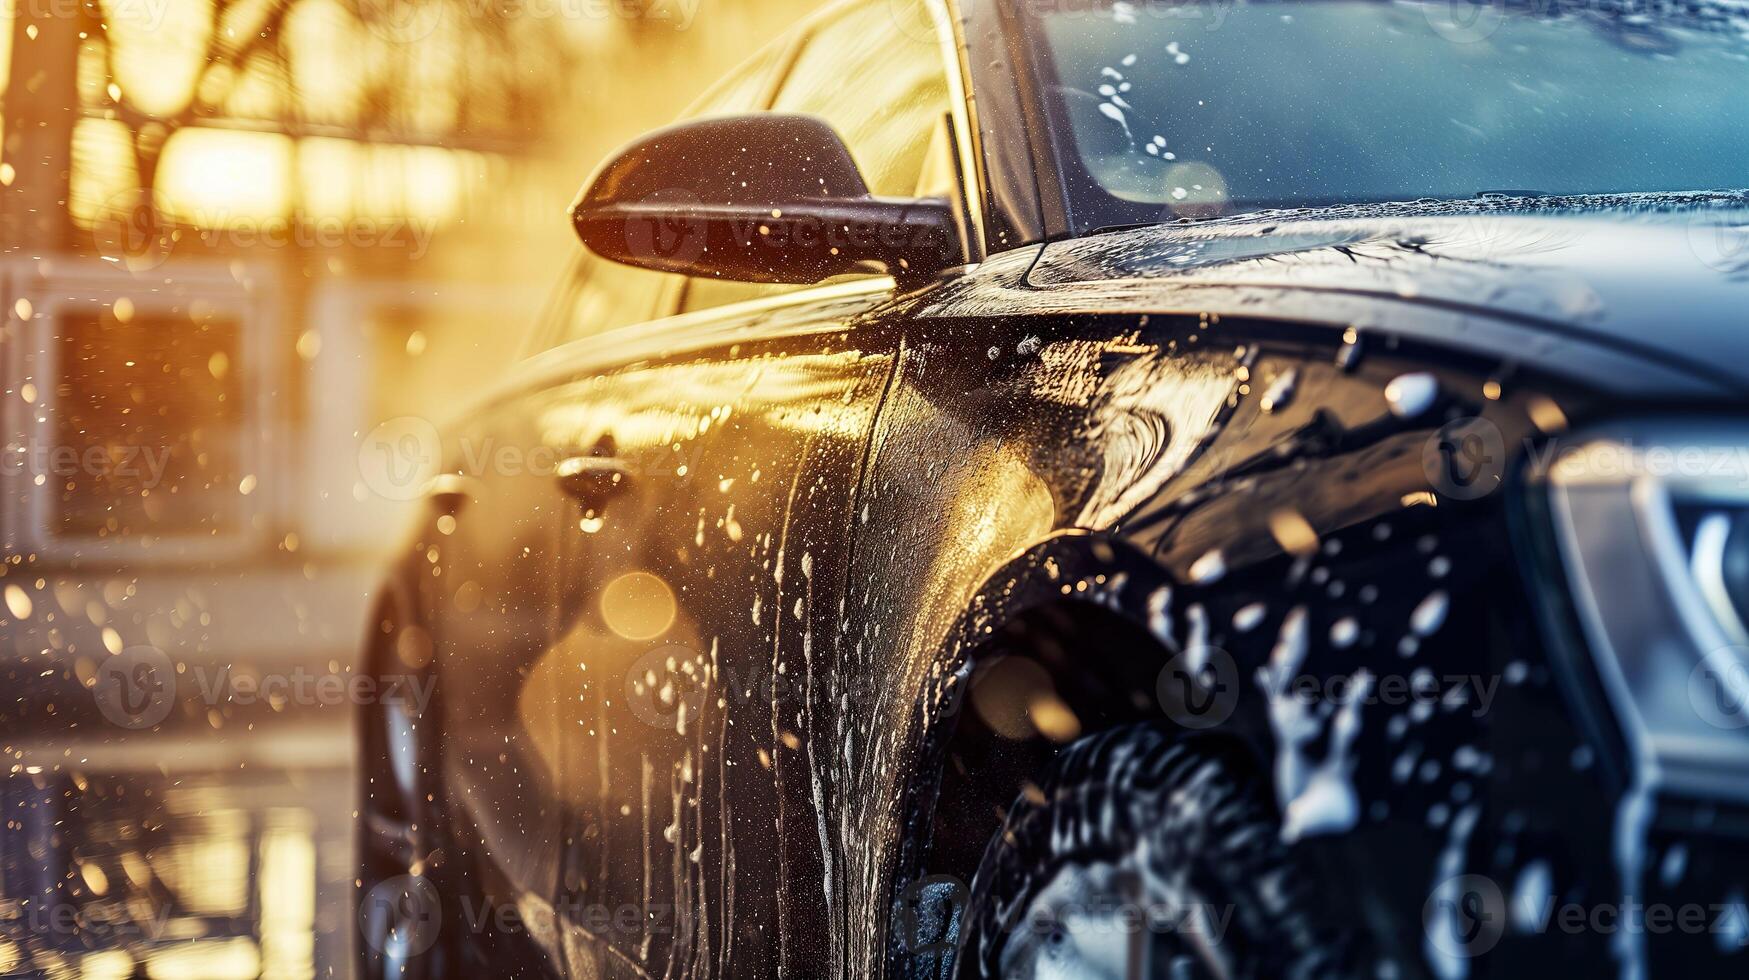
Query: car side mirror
{"x": 767, "y": 197}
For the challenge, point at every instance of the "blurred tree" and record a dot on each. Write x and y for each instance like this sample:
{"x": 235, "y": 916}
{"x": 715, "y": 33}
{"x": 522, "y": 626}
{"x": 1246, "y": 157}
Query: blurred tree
{"x": 40, "y": 110}
{"x": 108, "y": 85}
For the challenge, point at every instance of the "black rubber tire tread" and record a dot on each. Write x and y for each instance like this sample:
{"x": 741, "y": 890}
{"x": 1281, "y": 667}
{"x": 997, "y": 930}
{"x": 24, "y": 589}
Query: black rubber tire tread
{"x": 1188, "y": 799}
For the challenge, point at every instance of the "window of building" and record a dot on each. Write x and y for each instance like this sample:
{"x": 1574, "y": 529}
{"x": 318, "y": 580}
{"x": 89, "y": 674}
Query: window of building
{"x": 145, "y": 426}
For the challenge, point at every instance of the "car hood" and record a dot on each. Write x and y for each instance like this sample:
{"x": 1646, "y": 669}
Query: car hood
{"x": 1665, "y": 277}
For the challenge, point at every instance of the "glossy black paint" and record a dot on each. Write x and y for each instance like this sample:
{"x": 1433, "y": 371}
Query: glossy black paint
{"x": 862, "y": 501}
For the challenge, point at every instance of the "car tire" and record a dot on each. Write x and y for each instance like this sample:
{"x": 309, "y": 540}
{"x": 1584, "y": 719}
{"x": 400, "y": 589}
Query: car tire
{"x": 399, "y": 905}
{"x": 1146, "y": 854}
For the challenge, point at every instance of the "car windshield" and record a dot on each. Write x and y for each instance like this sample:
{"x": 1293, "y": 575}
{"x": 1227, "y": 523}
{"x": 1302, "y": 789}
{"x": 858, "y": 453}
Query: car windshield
{"x": 1203, "y": 108}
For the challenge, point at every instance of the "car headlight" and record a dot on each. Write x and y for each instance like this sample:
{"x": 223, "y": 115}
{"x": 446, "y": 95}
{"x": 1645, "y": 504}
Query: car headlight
{"x": 1652, "y": 522}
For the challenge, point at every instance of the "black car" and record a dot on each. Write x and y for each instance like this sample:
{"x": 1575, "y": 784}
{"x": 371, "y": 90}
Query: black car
{"x": 1109, "y": 489}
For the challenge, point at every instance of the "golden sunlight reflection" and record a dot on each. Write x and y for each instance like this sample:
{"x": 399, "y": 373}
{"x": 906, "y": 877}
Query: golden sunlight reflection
{"x": 219, "y": 960}
{"x": 588, "y": 668}
{"x": 638, "y": 606}
{"x": 107, "y": 965}
{"x": 286, "y": 892}
{"x": 1001, "y": 503}
{"x": 345, "y": 179}
{"x": 218, "y": 179}
{"x": 997, "y": 505}
{"x": 799, "y": 393}
{"x": 206, "y": 869}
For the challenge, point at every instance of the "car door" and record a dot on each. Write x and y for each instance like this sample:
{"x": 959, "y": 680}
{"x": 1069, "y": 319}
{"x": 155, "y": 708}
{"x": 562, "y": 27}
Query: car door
{"x": 499, "y": 589}
{"x": 686, "y": 589}
{"x": 699, "y": 732}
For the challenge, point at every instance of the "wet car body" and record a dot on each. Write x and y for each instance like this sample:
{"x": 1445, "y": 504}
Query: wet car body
{"x": 716, "y": 711}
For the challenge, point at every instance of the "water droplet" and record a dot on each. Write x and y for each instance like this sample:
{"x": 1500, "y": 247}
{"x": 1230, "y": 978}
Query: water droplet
{"x": 1410, "y": 395}
{"x": 1674, "y": 865}
{"x": 1293, "y": 532}
{"x": 1249, "y": 617}
{"x": 1344, "y": 632}
{"x": 1531, "y": 896}
{"x": 1281, "y": 391}
{"x": 1547, "y": 416}
{"x": 18, "y": 602}
{"x": 1349, "y": 355}
{"x": 1210, "y": 568}
{"x": 1732, "y": 927}
{"x": 1429, "y": 616}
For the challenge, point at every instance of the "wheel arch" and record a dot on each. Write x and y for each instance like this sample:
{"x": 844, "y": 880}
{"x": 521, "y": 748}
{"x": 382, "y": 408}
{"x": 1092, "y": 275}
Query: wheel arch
{"x": 1039, "y": 607}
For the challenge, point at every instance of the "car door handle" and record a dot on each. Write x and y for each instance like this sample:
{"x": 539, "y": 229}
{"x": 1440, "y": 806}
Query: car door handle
{"x": 593, "y": 478}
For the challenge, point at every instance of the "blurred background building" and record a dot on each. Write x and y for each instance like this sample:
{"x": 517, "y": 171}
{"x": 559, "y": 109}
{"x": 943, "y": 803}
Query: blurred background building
{"x": 238, "y": 236}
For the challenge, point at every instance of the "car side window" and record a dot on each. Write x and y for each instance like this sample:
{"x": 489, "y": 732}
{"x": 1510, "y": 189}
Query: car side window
{"x": 876, "y": 75}
{"x": 598, "y": 295}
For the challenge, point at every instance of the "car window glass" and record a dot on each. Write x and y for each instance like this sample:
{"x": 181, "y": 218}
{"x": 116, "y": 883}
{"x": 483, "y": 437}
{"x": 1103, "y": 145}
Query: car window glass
{"x": 875, "y": 73}
{"x": 746, "y": 89}
{"x": 598, "y": 295}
